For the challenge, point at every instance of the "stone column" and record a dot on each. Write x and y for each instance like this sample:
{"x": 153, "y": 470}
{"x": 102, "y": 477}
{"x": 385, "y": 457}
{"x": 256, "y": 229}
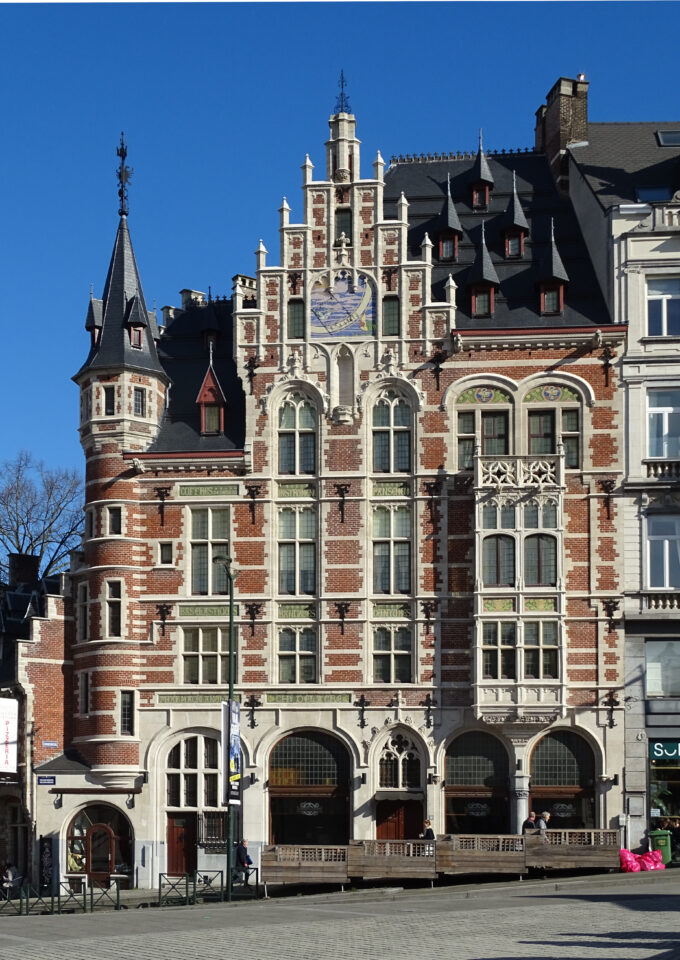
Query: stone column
{"x": 520, "y": 801}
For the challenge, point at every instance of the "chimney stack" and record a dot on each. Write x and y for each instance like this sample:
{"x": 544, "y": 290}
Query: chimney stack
{"x": 561, "y": 120}
{"x": 23, "y": 568}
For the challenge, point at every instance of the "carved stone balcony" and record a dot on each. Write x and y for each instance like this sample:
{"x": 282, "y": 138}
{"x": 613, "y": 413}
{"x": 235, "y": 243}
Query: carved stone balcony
{"x": 663, "y": 469}
{"x": 660, "y": 601}
{"x": 530, "y": 473}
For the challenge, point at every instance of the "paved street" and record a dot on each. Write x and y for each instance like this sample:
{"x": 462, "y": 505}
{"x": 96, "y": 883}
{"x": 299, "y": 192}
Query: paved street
{"x": 604, "y": 918}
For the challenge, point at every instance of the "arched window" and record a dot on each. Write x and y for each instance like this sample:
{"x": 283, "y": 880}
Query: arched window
{"x": 297, "y": 435}
{"x": 391, "y": 434}
{"x": 540, "y": 560}
{"x": 498, "y": 561}
{"x": 309, "y": 782}
{"x": 476, "y": 784}
{"x": 399, "y": 765}
{"x": 192, "y": 777}
{"x": 562, "y": 759}
{"x": 99, "y": 842}
{"x": 553, "y": 417}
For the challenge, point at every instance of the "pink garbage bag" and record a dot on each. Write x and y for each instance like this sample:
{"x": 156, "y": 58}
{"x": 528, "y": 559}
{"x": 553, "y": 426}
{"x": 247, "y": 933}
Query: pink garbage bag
{"x": 629, "y": 862}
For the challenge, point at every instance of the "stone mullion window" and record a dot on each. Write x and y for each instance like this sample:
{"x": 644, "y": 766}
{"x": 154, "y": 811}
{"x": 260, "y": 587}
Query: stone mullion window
{"x": 392, "y": 419}
{"x": 392, "y": 560}
{"x": 297, "y": 551}
{"x": 83, "y": 612}
{"x": 392, "y": 654}
{"x": 192, "y": 773}
{"x": 297, "y": 655}
{"x": 663, "y": 306}
{"x": 297, "y": 436}
{"x": 209, "y": 539}
{"x": 205, "y": 655}
{"x": 541, "y": 650}
{"x": 664, "y": 423}
{"x": 114, "y": 608}
{"x": 499, "y": 650}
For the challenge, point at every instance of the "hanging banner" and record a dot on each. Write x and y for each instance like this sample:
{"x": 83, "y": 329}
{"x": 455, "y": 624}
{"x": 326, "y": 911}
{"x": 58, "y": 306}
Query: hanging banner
{"x": 231, "y": 752}
{"x": 9, "y": 716}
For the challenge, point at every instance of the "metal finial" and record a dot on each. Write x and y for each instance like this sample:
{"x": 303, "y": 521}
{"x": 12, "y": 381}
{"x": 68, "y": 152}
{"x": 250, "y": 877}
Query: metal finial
{"x": 483, "y": 234}
{"x": 124, "y": 175}
{"x": 481, "y": 148}
{"x": 552, "y": 229}
{"x": 342, "y": 103}
{"x": 448, "y": 181}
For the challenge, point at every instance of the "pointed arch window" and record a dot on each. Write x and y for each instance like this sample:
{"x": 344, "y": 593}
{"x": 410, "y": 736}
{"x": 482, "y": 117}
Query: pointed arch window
{"x": 391, "y": 434}
{"x": 399, "y": 766}
{"x": 297, "y": 435}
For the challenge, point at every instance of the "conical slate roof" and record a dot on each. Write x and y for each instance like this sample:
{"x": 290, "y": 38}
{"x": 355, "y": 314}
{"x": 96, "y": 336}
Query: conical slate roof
{"x": 514, "y": 215}
{"x": 452, "y": 220}
{"x": 121, "y": 307}
{"x": 481, "y": 171}
{"x": 483, "y": 270}
{"x": 553, "y": 268}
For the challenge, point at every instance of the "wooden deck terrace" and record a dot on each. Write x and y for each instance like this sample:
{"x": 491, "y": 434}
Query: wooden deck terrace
{"x": 456, "y": 854}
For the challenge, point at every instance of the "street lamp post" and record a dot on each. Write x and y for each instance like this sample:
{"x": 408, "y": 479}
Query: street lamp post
{"x": 226, "y": 563}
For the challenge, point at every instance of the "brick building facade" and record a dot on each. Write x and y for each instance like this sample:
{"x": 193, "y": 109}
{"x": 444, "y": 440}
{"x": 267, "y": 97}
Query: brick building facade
{"x": 400, "y": 436}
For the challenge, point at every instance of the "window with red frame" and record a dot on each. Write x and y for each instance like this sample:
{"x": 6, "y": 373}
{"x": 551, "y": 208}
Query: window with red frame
{"x": 480, "y": 196}
{"x": 212, "y": 418}
{"x": 482, "y": 301}
{"x": 552, "y": 298}
{"x": 448, "y": 245}
{"x": 514, "y": 244}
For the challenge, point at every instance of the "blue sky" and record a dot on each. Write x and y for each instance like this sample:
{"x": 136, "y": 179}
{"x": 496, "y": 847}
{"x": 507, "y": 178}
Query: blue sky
{"x": 219, "y": 103}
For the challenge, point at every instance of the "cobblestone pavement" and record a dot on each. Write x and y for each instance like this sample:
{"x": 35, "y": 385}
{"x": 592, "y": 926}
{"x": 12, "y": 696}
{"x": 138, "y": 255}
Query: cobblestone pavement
{"x": 617, "y": 918}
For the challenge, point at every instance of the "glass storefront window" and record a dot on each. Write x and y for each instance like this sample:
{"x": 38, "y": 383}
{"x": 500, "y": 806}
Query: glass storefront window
{"x": 663, "y": 668}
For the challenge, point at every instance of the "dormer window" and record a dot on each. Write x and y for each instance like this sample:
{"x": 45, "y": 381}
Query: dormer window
{"x": 136, "y": 337}
{"x": 212, "y": 418}
{"x": 514, "y": 244}
{"x": 480, "y": 196}
{"x": 552, "y": 298}
{"x": 448, "y": 245}
{"x": 482, "y": 300}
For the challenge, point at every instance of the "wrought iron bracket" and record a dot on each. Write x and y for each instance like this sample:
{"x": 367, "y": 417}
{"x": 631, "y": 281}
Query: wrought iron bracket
{"x": 429, "y": 608}
{"x": 607, "y": 485}
{"x": 253, "y": 491}
{"x": 362, "y": 703}
{"x": 611, "y": 703}
{"x": 429, "y": 703}
{"x": 163, "y": 610}
{"x": 342, "y": 489}
{"x": 253, "y": 610}
{"x": 251, "y": 367}
{"x": 162, "y": 493}
{"x": 251, "y": 705}
{"x": 342, "y": 607}
{"x": 611, "y": 607}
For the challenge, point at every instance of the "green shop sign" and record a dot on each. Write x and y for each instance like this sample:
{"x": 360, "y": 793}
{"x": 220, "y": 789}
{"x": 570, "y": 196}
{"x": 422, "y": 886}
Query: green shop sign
{"x": 209, "y": 490}
{"x": 664, "y": 750}
{"x": 309, "y": 698}
{"x": 214, "y": 610}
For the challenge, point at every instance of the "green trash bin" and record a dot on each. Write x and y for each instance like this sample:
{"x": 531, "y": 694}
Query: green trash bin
{"x": 661, "y": 840}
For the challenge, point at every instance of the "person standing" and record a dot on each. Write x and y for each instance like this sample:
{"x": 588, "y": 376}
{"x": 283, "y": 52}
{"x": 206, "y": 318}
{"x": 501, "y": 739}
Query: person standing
{"x": 243, "y": 862}
{"x": 542, "y": 822}
{"x": 530, "y": 822}
{"x": 428, "y": 832}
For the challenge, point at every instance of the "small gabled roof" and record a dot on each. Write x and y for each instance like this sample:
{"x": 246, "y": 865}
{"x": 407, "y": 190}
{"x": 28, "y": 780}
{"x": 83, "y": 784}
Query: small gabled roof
{"x": 135, "y": 313}
{"x": 211, "y": 390}
{"x": 95, "y": 314}
{"x": 452, "y": 219}
{"x": 483, "y": 270}
{"x": 481, "y": 171}
{"x": 553, "y": 268}
{"x": 514, "y": 215}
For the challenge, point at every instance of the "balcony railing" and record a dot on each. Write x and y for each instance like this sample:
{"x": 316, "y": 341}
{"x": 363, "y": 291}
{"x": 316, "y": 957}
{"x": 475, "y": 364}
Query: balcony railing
{"x": 536, "y": 473}
{"x": 663, "y": 469}
{"x": 667, "y": 600}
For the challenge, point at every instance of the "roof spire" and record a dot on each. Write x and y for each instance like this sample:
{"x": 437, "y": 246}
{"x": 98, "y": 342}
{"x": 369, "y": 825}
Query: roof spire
{"x": 481, "y": 172}
{"x": 124, "y": 176}
{"x": 342, "y": 103}
{"x": 514, "y": 215}
{"x": 483, "y": 270}
{"x": 452, "y": 220}
{"x": 554, "y": 269}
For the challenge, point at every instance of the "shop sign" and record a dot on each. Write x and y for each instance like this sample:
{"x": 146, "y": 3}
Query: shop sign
{"x": 209, "y": 490}
{"x": 664, "y": 750}
{"x": 9, "y": 716}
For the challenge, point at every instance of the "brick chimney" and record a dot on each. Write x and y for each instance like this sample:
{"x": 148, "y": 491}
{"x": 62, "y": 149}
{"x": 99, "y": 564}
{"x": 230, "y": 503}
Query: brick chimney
{"x": 561, "y": 120}
{"x": 23, "y": 568}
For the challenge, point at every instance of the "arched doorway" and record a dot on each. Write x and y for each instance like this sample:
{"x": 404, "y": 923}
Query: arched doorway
{"x": 309, "y": 789}
{"x": 399, "y": 800}
{"x": 563, "y": 780}
{"x": 476, "y": 786}
{"x": 100, "y": 843}
{"x": 193, "y": 790}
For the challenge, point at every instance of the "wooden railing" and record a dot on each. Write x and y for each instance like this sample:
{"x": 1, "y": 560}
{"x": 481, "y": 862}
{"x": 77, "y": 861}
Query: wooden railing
{"x": 452, "y": 854}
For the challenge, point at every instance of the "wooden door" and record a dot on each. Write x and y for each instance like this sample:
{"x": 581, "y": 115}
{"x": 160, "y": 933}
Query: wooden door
{"x": 181, "y": 843}
{"x": 398, "y": 819}
{"x": 100, "y": 847}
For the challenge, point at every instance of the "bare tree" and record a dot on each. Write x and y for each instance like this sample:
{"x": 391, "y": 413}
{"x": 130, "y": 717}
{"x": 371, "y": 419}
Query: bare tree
{"x": 40, "y": 512}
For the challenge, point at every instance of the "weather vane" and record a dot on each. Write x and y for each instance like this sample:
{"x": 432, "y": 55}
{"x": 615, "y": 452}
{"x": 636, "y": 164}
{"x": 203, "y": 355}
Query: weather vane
{"x": 124, "y": 175}
{"x": 342, "y": 103}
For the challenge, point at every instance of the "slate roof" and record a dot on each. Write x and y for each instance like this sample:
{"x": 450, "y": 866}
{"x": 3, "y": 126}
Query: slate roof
{"x": 121, "y": 307}
{"x": 185, "y": 357}
{"x": 517, "y": 304}
{"x": 620, "y": 158}
{"x": 68, "y": 762}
